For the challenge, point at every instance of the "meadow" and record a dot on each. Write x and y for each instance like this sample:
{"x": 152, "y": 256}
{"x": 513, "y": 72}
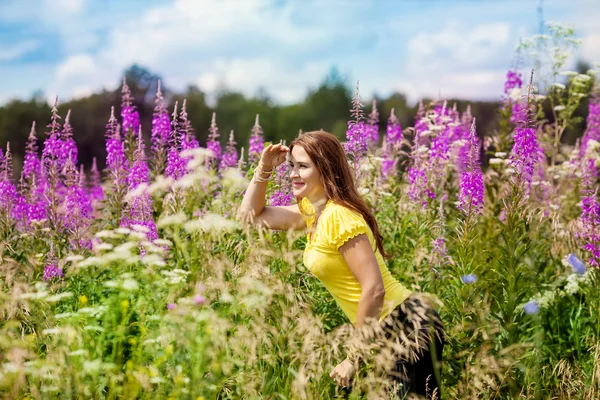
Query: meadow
{"x": 138, "y": 281}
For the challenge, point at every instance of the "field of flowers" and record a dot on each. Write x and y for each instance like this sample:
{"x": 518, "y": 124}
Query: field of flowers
{"x": 137, "y": 282}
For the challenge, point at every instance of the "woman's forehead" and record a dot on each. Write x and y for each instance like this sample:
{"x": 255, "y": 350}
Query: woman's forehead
{"x": 299, "y": 154}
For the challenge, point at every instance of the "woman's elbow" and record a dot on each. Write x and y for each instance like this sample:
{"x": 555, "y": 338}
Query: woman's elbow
{"x": 245, "y": 215}
{"x": 375, "y": 292}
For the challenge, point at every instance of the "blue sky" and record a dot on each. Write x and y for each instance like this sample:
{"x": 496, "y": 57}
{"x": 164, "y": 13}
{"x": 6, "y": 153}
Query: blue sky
{"x": 71, "y": 48}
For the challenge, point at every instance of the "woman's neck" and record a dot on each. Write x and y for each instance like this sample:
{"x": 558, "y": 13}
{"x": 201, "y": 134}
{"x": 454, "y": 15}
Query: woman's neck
{"x": 319, "y": 204}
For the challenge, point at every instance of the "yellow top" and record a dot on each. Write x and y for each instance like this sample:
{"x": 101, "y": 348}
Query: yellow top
{"x": 338, "y": 224}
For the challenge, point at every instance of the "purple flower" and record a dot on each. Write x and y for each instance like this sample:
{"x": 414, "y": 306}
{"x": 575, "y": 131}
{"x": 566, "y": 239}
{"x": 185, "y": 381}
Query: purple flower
{"x": 283, "y": 195}
{"x": 161, "y": 129}
{"x": 176, "y": 166}
{"x": 188, "y": 136}
{"x": 281, "y": 199}
{"x": 471, "y": 184}
{"x": 577, "y": 265}
{"x": 417, "y": 180}
{"x": 171, "y": 306}
{"x": 468, "y": 279}
{"x": 257, "y": 142}
{"x": 592, "y": 132}
{"x": 525, "y": 153}
{"x": 213, "y": 144}
{"x": 116, "y": 163}
{"x": 31, "y": 164}
{"x": 199, "y": 300}
{"x": 69, "y": 147}
{"x": 388, "y": 166}
{"x": 139, "y": 208}
{"x": 531, "y": 307}
{"x": 53, "y": 154}
{"x": 590, "y": 218}
{"x": 513, "y": 80}
{"x": 356, "y": 145}
{"x": 394, "y": 130}
{"x": 440, "y": 147}
{"x": 51, "y": 271}
{"x": 9, "y": 198}
{"x": 439, "y": 249}
{"x": 372, "y": 127}
{"x": 356, "y": 134}
{"x": 230, "y": 157}
{"x": 96, "y": 191}
{"x": 129, "y": 115}
{"x": 519, "y": 112}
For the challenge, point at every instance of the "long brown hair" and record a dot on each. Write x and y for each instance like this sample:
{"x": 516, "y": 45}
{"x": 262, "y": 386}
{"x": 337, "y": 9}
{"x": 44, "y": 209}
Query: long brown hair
{"x": 329, "y": 157}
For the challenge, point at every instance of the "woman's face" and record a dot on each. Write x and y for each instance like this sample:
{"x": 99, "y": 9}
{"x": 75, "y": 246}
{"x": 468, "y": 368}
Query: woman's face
{"x": 306, "y": 179}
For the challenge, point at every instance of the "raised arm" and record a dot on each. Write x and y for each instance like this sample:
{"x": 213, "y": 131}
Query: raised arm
{"x": 253, "y": 209}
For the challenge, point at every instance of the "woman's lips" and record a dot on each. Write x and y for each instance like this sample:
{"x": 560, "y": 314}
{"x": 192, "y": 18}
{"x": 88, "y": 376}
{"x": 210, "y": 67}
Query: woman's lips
{"x": 298, "y": 184}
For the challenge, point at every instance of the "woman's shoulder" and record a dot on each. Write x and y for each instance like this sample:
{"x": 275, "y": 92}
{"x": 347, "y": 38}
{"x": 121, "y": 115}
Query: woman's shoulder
{"x": 335, "y": 209}
{"x": 341, "y": 223}
{"x": 341, "y": 215}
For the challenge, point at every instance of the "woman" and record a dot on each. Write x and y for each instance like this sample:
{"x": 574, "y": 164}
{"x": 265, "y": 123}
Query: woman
{"x": 345, "y": 251}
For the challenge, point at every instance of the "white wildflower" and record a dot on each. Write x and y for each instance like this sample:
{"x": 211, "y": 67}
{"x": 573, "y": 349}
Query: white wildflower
{"x": 163, "y": 242}
{"x": 90, "y": 261}
{"x": 92, "y": 367}
{"x": 95, "y": 328}
{"x": 545, "y": 299}
{"x": 515, "y": 94}
{"x": 232, "y": 179}
{"x": 64, "y": 315}
{"x": 11, "y": 368}
{"x": 210, "y": 222}
{"x": 103, "y": 246}
{"x": 95, "y": 312}
{"x": 137, "y": 236}
{"x": 74, "y": 258}
{"x": 559, "y": 85}
{"x": 51, "y": 331}
{"x": 153, "y": 260}
{"x": 140, "y": 228}
{"x": 173, "y": 219}
{"x": 160, "y": 184}
{"x": 185, "y": 182}
{"x": 137, "y": 192}
{"x": 130, "y": 285}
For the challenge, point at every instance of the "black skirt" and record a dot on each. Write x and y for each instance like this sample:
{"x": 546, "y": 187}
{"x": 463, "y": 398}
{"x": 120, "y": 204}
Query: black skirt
{"x": 415, "y": 326}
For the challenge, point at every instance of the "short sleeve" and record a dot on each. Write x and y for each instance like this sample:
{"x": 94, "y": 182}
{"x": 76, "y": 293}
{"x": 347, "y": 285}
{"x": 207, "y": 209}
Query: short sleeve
{"x": 342, "y": 224}
{"x": 307, "y": 211}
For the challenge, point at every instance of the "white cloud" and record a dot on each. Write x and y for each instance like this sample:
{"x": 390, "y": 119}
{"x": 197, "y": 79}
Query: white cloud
{"x": 69, "y": 7}
{"x": 478, "y": 84}
{"x": 209, "y": 44}
{"x": 246, "y": 75}
{"x": 77, "y": 75}
{"x": 283, "y": 47}
{"x": 48, "y": 12}
{"x": 18, "y": 50}
{"x": 590, "y": 49}
{"x": 457, "y": 46}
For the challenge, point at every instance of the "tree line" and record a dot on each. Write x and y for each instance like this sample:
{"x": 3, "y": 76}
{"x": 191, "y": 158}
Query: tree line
{"x": 324, "y": 107}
